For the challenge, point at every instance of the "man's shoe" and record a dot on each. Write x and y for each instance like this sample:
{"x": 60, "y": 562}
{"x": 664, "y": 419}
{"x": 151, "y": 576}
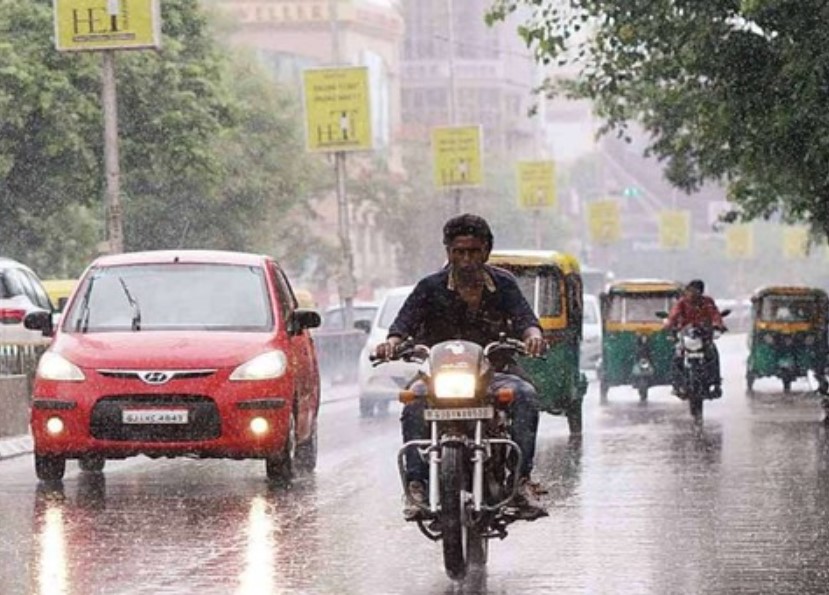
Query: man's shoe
{"x": 526, "y": 500}
{"x": 416, "y": 501}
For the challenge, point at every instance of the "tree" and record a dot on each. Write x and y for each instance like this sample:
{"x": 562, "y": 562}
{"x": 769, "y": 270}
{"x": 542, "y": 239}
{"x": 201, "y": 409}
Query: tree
{"x": 731, "y": 91}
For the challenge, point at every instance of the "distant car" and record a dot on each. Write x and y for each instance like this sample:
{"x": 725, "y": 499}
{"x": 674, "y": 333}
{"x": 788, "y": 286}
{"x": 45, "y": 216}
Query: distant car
{"x": 178, "y": 353}
{"x": 21, "y": 292}
{"x": 591, "y": 342}
{"x": 381, "y": 385}
{"x": 59, "y": 291}
{"x": 333, "y": 318}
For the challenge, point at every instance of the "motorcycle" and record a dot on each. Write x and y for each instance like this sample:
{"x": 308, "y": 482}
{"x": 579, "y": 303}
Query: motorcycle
{"x": 473, "y": 463}
{"x": 696, "y": 348}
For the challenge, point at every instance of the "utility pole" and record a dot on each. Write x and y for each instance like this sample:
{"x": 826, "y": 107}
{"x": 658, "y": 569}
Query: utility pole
{"x": 114, "y": 215}
{"x": 453, "y": 108}
{"x": 347, "y": 284}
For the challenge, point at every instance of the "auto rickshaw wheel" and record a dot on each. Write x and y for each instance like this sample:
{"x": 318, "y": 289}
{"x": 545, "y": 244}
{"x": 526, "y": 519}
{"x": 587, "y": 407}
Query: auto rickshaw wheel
{"x": 695, "y": 405}
{"x": 750, "y": 378}
{"x": 574, "y": 421}
{"x": 643, "y": 393}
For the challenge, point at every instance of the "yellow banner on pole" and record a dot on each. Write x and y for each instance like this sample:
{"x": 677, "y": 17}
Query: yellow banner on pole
{"x": 536, "y": 184}
{"x": 675, "y": 230}
{"x": 337, "y": 109}
{"x": 456, "y": 156}
{"x": 739, "y": 242}
{"x": 604, "y": 221}
{"x": 795, "y": 243}
{"x": 85, "y": 25}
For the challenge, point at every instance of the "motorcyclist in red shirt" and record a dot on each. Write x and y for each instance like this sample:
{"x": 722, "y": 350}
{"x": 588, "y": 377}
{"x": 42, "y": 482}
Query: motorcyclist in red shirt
{"x": 695, "y": 308}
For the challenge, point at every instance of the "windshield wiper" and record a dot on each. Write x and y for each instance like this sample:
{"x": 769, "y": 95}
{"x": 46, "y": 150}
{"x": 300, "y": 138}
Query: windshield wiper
{"x": 136, "y": 311}
{"x": 83, "y": 320}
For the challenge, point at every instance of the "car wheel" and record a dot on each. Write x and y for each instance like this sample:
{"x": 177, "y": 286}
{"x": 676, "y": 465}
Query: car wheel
{"x": 280, "y": 468}
{"x": 49, "y": 468}
{"x": 92, "y": 463}
{"x": 306, "y": 453}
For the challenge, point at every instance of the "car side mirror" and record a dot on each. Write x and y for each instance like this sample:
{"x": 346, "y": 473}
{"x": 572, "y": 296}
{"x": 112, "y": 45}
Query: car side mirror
{"x": 363, "y": 325}
{"x": 662, "y": 315}
{"x": 40, "y": 320}
{"x": 303, "y": 319}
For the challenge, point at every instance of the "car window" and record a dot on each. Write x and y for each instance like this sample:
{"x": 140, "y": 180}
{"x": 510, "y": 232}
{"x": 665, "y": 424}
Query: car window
{"x": 41, "y": 298}
{"x": 28, "y": 287}
{"x": 12, "y": 283}
{"x": 173, "y": 297}
{"x": 287, "y": 301}
{"x": 335, "y": 317}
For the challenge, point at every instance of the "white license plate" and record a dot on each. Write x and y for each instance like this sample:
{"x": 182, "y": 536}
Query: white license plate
{"x": 696, "y": 355}
{"x": 154, "y": 416}
{"x": 458, "y": 414}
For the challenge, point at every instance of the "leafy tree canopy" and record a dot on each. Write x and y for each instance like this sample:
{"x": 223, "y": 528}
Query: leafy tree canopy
{"x": 730, "y": 90}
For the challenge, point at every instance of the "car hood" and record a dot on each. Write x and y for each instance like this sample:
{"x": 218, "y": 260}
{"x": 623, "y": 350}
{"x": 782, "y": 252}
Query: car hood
{"x": 166, "y": 350}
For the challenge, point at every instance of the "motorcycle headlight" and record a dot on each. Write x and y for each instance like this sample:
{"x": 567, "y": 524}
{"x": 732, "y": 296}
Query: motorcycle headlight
{"x": 56, "y": 367}
{"x": 455, "y": 385}
{"x": 266, "y": 366}
{"x": 692, "y": 343}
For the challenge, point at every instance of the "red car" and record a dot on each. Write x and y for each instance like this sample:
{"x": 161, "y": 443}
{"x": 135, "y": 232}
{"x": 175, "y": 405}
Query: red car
{"x": 170, "y": 353}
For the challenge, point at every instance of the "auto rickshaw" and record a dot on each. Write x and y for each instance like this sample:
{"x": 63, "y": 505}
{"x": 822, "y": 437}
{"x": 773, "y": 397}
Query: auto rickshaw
{"x": 636, "y": 348}
{"x": 551, "y": 282}
{"x": 788, "y": 335}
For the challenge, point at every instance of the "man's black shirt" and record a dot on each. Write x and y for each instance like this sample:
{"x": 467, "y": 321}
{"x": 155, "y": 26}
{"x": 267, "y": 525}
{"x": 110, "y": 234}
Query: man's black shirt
{"x": 435, "y": 312}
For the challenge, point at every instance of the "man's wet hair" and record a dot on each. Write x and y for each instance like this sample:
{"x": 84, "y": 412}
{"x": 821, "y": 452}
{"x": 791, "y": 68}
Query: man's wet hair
{"x": 697, "y": 284}
{"x": 467, "y": 225}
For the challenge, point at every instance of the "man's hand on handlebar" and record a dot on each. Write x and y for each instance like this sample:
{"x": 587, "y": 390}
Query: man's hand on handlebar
{"x": 385, "y": 350}
{"x": 534, "y": 343}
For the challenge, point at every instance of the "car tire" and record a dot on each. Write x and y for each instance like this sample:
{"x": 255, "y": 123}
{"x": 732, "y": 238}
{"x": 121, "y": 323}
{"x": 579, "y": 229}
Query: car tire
{"x": 49, "y": 467}
{"x": 280, "y": 467}
{"x": 306, "y": 453}
{"x": 92, "y": 463}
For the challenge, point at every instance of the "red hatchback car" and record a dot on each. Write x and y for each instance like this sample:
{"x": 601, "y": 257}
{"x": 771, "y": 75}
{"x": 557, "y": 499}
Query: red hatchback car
{"x": 170, "y": 353}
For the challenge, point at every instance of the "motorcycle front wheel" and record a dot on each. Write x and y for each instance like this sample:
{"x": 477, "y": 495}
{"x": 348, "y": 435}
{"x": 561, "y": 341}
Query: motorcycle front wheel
{"x": 453, "y": 482}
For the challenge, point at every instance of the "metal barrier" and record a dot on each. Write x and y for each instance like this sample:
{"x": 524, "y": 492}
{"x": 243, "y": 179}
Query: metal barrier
{"x": 338, "y": 353}
{"x": 20, "y": 359}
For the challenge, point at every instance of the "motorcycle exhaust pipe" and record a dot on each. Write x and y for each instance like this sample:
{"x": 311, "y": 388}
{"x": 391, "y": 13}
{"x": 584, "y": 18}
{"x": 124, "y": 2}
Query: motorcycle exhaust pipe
{"x": 434, "y": 471}
{"x": 478, "y": 469}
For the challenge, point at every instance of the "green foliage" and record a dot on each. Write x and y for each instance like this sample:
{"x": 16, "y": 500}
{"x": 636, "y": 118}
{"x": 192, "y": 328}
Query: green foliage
{"x": 733, "y": 91}
{"x": 211, "y": 149}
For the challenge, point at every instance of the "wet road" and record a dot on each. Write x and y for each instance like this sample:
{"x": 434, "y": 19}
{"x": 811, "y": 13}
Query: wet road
{"x": 644, "y": 503}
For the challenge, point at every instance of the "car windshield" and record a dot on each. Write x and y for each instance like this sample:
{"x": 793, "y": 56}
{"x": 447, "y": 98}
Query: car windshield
{"x": 390, "y": 309}
{"x": 172, "y": 297}
{"x": 639, "y": 308}
{"x": 788, "y": 309}
{"x": 335, "y": 317}
{"x": 542, "y": 289}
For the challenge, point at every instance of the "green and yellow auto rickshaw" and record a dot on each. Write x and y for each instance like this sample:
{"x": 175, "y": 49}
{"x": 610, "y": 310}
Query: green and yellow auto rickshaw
{"x": 551, "y": 282}
{"x": 788, "y": 335}
{"x": 636, "y": 348}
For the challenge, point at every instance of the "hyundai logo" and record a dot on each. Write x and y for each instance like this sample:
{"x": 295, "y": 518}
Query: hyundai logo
{"x": 155, "y": 377}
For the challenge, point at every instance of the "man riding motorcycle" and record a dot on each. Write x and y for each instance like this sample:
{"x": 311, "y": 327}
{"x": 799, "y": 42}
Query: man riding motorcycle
{"x": 469, "y": 300}
{"x": 696, "y": 309}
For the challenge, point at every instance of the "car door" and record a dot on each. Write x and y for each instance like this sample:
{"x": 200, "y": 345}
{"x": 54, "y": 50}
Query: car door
{"x": 301, "y": 357}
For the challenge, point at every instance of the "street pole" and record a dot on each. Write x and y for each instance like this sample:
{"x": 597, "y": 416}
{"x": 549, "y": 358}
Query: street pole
{"x": 453, "y": 108}
{"x": 537, "y": 227}
{"x": 115, "y": 236}
{"x": 346, "y": 283}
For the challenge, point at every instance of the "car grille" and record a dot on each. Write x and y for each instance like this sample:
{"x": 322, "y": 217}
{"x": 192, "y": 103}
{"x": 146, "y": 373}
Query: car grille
{"x": 203, "y": 419}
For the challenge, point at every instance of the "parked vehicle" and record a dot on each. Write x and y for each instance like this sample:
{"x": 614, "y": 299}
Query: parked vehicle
{"x": 637, "y": 350}
{"x": 21, "y": 292}
{"x": 788, "y": 335}
{"x": 551, "y": 282}
{"x": 473, "y": 463}
{"x": 334, "y": 317}
{"x": 380, "y": 385}
{"x": 178, "y": 353}
{"x": 59, "y": 291}
{"x": 591, "y": 333}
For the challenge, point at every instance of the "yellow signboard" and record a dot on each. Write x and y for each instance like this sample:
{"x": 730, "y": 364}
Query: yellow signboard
{"x": 795, "y": 242}
{"x": 84, "y": 25}
{"x": 739, "y": 242}
{"x": 456, "y": 154}
{"x": 675, "y": 230}
{"x": 604, "y": 221}
{"x": 337, "y": 109}
{"x": 536, "y": 184}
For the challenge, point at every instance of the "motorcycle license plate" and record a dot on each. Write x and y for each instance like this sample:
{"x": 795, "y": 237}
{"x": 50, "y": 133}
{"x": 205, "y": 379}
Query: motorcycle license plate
{"x": 696, "y": 355}
{"x": 458, "y": 414}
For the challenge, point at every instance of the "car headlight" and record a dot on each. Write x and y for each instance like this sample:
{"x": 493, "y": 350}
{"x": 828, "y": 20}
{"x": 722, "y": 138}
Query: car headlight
{"x": 266, "y": 366}
{"x": 56, "y": 367}
{"x": 455, "y": 385}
